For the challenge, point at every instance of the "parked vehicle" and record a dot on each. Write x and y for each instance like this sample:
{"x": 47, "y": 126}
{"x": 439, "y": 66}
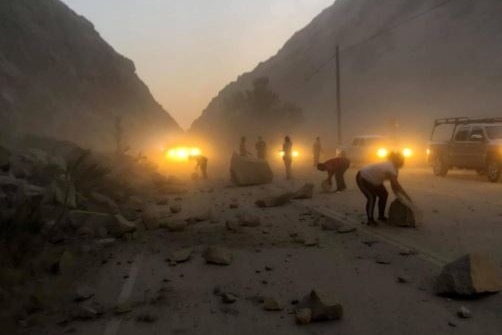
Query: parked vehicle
{"x": 474, "y": 144}
{"x": 373, "y": 148}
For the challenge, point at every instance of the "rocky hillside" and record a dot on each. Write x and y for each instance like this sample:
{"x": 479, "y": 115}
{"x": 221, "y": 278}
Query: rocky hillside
{"x": 59, "y": 78}
{"x": 407, "y": 60}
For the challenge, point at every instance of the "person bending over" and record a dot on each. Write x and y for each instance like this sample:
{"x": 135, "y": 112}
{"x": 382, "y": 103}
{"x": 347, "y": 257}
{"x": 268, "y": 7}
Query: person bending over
{"x": 336, "y": 167}
{"x": 370, "y": 180}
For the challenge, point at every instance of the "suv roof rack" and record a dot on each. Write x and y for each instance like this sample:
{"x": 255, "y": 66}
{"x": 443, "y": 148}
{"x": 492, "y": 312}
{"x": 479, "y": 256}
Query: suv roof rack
{"x": 466, "y": 120}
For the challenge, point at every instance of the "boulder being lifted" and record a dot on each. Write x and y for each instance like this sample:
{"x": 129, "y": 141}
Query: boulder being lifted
{"x": 247, "y": 171}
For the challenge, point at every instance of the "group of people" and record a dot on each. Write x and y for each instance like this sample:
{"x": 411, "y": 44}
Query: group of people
{"x": 370, "y": 179}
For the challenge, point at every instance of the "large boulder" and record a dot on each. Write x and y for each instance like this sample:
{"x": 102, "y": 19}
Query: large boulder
{"x": 470, "y": 275}
{"x": 246, "y": 171}
{"x": 403, "y": 215}
{"x": 96, "y": 224}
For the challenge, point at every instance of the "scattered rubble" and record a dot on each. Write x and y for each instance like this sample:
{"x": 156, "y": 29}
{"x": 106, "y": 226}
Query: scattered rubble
{"x": 248, "y": 219}
{"x": 470, "y": 275}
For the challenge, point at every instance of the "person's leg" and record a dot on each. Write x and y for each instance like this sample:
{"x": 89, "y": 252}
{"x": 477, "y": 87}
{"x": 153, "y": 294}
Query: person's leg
{"x": 203, "y": 168}
{"x": 367, "y": 189}
{"x": 340, "y": 180}
{"x": 383, "y": 195}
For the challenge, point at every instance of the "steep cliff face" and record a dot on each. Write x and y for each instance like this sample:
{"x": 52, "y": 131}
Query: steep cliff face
{"x": 407, "y": 60}
{"x": 59, "y": 78}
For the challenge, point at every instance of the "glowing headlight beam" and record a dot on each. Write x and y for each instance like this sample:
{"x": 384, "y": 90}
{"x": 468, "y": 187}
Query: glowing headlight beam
{"x": 382, "y": 152}
{"x": 407, "y": 152}
{"x": 295, "y": 153}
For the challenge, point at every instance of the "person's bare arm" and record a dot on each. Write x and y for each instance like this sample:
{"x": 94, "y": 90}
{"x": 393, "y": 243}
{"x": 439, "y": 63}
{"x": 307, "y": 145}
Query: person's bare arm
{"x": 397, "y": 188}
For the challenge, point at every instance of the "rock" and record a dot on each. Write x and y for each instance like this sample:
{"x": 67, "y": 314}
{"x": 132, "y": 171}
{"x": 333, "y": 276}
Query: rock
{"x": 217, "y": 256}
{"x": 177, "y": 225}
{"x": 83, "y": 293}
{"x": 382, "y": 260}
{"x": 345, "y": 229}
{"x": 318, "y": 309}
{"x": 274, "y": 201}
{"x": 228, "y": 298}
{"x": 464, "y": 313}
{"x": 400, "y": 215}
{"x": 181, "y": 255}
{"x": 306, "y": 192}
{"x": 249, "y": 220}
{"x": 403, "y": 279}
{"x": 303, "y": 316}
{"x": 175, "y": 209}
{"x": 271, "y": 304}
{"x": 246, "y": 171}
{"x": 105, "y": 242}
{"x": 233, "y": 205}
{"x": 151, "y": 218}
{"x": 120, "y": 226}
{"x": 470, "y": 275}
{"x": 408, "y": 252}
{"x": 310, "y": 240}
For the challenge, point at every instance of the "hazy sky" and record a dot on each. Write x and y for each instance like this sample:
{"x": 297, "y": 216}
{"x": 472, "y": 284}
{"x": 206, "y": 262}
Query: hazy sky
{"x": 187, "y": 50}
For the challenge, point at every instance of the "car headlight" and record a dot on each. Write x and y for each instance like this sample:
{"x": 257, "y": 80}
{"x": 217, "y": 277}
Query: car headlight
{"x": 382, "y": 152}
{"x": 407, "y": 152}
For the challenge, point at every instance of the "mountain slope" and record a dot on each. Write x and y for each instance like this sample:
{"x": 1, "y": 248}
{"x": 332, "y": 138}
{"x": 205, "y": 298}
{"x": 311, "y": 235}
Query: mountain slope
{"x": 407, "y": 60}
{"x": 59, "y": 78}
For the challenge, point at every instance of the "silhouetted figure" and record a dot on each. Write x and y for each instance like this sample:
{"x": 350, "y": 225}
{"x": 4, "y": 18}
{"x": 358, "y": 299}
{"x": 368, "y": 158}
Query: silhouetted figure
{"x": 201, "y": 164}
{"x": 370, "y": 180}
{"x": 243, "y": 150}
{"x": 336, "y": 167}
{"x": 287, "y": 149}
{"x": 261, "y": 148}
{"x": 316, "y": 151}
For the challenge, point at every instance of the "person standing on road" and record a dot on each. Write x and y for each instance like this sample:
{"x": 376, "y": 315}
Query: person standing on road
{"x": 287, "y": 149}
{"x": 201, "y": 164}
{"x": 336, "y": 167}
{"x": 316, "y": 151}
{"x": 261, "y": 148}
{"x": 243, "y": 149}
{"x": 370, "y": 180}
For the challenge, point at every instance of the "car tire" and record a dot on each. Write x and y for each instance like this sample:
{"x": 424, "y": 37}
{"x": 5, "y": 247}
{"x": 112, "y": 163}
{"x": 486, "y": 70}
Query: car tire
{"x": 439, "y": 167}
{"x": 493, "y": 170}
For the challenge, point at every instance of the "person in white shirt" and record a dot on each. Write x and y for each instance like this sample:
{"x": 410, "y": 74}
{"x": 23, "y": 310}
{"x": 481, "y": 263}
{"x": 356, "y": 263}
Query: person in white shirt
{"x": 370, "y": 180}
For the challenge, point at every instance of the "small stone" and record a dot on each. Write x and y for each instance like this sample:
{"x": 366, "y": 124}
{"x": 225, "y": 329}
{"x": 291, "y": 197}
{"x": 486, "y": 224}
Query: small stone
{"x": 464, "y": 313}
{"x": 181, "y": 255}
{"x": 303, "y": 316}
{"x": 346, "y": 230}
{"x": 408, "y": 252}
{"x": 228, "y": 298}
{"x": 403, "y": 279}
{"x": 175, "y": 209}
{"x": 218, "y": 256}
{"x": 271, "y": 304}
{"x": 452, "y": 324}
{"x": 383, "y": 261}
{"x": 83, "y": 293}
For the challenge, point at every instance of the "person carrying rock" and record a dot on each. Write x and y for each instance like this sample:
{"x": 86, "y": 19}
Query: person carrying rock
{"x": 287, "y": 150}
{"x": 201, "y": 164}
{"x": 261, "y": 148}
{"x": 243, "y": 150}
{"x": 336, "y": 167}
{"x": 316, "y": 151}
{"x": 370, "y": 180}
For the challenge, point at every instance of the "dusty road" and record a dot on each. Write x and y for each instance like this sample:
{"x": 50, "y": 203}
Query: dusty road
{"x": 462, "y": 213}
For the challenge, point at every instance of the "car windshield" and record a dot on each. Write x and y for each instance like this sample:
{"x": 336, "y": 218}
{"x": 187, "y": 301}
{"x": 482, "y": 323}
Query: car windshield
{"x": 494, "y": 132}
